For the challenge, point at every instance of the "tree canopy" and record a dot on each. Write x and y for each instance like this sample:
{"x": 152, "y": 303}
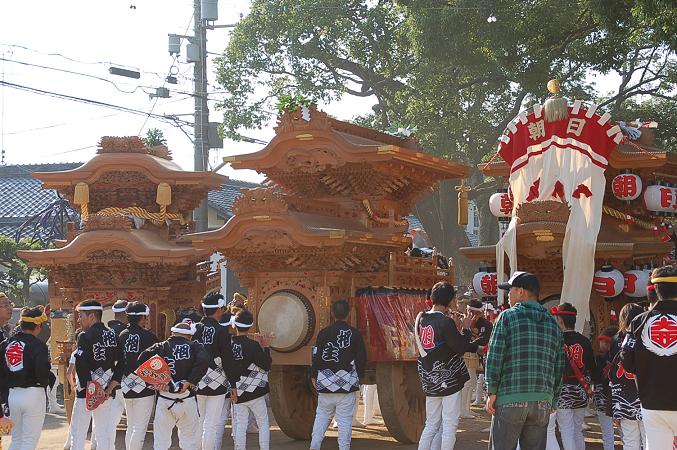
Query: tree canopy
{"x": 455, "y": 70}
{"x": 16, "y": 277}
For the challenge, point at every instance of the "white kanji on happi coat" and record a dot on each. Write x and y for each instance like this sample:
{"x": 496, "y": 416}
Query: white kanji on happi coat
{"x": 563, "y": 160}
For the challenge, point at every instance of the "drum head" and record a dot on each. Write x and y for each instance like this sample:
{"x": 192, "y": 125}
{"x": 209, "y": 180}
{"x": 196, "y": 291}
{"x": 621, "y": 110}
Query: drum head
{"x": 289, "y": 316}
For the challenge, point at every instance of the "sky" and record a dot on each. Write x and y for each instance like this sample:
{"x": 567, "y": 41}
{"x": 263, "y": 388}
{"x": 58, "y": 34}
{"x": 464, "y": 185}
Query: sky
{"x": 78, "y": 37}
{"x": 88, "y": 37}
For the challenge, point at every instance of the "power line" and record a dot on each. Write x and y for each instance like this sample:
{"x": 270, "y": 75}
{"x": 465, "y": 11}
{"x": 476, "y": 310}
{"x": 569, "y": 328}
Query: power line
{"x": 92, "y": 102}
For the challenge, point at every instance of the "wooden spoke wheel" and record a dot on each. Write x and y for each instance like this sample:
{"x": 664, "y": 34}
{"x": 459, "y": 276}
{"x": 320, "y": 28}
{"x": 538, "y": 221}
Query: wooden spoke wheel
{"x": 401, "y": 400}
{"x": 293, "y": 400}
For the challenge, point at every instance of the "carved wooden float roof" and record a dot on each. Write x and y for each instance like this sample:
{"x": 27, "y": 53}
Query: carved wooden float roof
{"x": 324, "y": 157}
{"x": 125, "y": 173}
{"x": 106, "y": 246}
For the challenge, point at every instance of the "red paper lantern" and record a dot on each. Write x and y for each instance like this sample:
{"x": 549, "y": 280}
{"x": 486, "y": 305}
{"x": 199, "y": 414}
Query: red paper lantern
{"x": 501, "y": 204}
{"x": 626, "y": 186}
{"x": 636, "y": 282}
{"x": 484, "y": 284}
{"x": 608, "y": 282}
{"x": 658, "y": 198}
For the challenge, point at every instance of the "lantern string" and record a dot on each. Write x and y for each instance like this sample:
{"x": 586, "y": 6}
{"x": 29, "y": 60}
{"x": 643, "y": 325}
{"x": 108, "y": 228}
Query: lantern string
{"x": 626, "y": 140}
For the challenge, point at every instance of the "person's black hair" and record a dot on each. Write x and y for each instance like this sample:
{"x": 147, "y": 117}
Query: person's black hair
{"x": 211, "y": 299}
{"x": 568, "y": 319}
{"x": 30, "y": 312}
{"x": 652, "y": 296}
{"x": 135, "y": 307}
{"x": 340, "y": 309}
{"x": 442, "y": 293}
{"x": 97, "y": 313}
{"x": 626, "y": 316}
{"x": 666, "y": 291}
{"x": 244, "y": 316}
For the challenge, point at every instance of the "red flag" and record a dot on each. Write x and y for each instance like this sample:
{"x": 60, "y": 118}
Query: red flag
{"x": 155, "y": 371}
{"x": 95, "y": 396}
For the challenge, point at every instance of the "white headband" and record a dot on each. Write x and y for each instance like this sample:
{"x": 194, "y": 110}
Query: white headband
{"x": 220, "y": 304}
{"x": 190, "y": 331}
{"x": 142, "y": 313}
{"x": 90, "y": 308}
{"x": 475, "y": 309}
{"x": 239, "y": 324}
{"x": 119, "y": 310}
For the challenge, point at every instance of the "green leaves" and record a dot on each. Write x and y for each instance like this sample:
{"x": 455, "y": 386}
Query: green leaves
{"x": 154, "y": 136}
{"x": 15, "y": 275}
{"x": 290, "y": 102}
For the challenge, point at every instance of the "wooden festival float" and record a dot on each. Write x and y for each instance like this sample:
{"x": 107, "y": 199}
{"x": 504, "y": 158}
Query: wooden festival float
{"x": 135, "y": 204}
{"x": 331, "y": 225}
{"x": 637, "y": 212}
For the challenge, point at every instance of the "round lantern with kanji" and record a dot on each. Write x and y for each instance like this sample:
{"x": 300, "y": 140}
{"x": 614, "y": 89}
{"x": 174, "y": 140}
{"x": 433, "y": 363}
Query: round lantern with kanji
{"x": 484, "y": 284}
{"x": 626, "y": 186}
{"x": 500, "y": 205}
{"x": 660, "y": 198}
{"x": 636, "y": 281}
{"x": 608, "y": 282}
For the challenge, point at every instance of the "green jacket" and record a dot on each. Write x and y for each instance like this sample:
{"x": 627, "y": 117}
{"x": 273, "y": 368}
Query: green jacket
{"x": 526, "y": 356}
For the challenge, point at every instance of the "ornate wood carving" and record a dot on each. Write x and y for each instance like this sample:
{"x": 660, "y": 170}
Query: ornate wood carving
{"x": 296, "y": 120}
{"x": 547, "y": 211}
{"x": 259, "y": 200}
{"x": 265, "y": 240}
{"x": 98, "y": 222}
{"x": 311, "y": 160}
{"x": 131, "y": 144}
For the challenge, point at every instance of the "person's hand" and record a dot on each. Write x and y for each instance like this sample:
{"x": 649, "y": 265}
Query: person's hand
{"x": 457, "y": 320}
{"x": 233, "y": 395}
{"x": 266, "y": 339}
{"x": 491, "y": 404}
{"x": 466, "y": 323}
{"x": 481, "y": 350}
{"x": 160, "y": 387}
{"x": 184, "y": 386}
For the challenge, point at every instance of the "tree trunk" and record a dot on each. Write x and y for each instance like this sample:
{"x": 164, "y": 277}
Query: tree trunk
{"x": 438, "y": 215}
{"x": 488, "y": 232}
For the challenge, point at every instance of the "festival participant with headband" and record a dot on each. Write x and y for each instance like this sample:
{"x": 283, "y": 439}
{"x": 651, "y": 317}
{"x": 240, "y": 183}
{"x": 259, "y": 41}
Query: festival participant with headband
{"x": 625, "y": 407}
{"x": 176, "y": 403}
{"x": 650, "y": 352}
{"x": 251, "y": 363}
{"x": 214, "y": 387}
{"x": 26, "y": 365}
{"x": 225, "y": 322}
{"x": 580, "y": 373}
{"x": 602, "y": 394}
{"x": 98, "y": 359}
{"x": 118, "y": 324}
{"x": 139, "y": 398}
{"x": 480, "y": 329}
{"x": 6, "y": 307}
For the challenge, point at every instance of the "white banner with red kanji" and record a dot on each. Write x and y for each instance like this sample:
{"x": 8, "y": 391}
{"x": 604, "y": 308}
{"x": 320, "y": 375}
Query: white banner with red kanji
{"x": 561, "y": 161}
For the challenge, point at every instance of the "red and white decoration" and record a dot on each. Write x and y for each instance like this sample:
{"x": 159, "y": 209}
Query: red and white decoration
{"x": 608, "y": 283}
{"x": 500, "y": 204}
{"x": 485, "y": 284}
{"x": 563, "y": 160}
{"x": 636, "y": 281}
{"x": 626, "y": 186}
{"x": 659, "y": 198}
{"x": 660, "y": 334}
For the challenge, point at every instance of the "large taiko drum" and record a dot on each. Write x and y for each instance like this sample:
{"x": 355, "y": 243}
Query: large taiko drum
{"x": 290, "y": 317}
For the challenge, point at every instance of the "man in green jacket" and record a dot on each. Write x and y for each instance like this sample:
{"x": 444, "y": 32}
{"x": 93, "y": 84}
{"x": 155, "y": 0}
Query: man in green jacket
{"x": 524, "y": 368}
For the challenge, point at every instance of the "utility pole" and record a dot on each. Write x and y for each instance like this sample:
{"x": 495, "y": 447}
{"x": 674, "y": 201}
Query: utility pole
{"x": 201, "y": 125}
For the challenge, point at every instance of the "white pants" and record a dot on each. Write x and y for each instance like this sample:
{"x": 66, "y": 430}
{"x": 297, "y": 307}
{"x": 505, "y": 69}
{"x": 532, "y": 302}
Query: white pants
{"x": 117, "y": 408}
{"x": 660, "y": 426}
{"x": 370, "y": 397}
{"x": 606, "y": 423}
{"x": 138, "y": 416}
{"x": 221, "y": 424}
{"x": 342, "y": 406}
{"x": 259, "y": 410}
{"x": 634, "y": 437}
{"x": 182, "y": 415}
{"x": 571, "y": 428}
{"x": 441, "y": 412}
{"x": 211, "y": 408}
{"x": 479, "y": 390}
{"x": 27, "y": 409}
{"x": 102, "y": 426}
{"x": 551, "y": 443}
{"x": 468, "y": 388}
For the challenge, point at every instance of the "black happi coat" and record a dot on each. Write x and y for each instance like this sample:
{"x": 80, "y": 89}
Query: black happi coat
{"x": 339, "y": 359}
{"x": 98, "y": 357}
{"x": 602, "y": 395}
{"x": 25, "y": 362}
{"x": 624, "y": 396}
{"x": 579, "y": 351}
{"x": 251, "y": 364}
{"x": 116, "y": 326}
{"x": 187, "y": 360}
{"x": 217, "y": 342}
{"x": 133, "y": 340}
{"x": 650, "y": 352}
{"x": 442, "y": 370}
{"x": 481, "y": 332}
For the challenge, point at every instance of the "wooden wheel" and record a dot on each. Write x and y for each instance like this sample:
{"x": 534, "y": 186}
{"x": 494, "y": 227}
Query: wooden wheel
{"x": 292, "y": 400}
{"x": 401, "y": 400}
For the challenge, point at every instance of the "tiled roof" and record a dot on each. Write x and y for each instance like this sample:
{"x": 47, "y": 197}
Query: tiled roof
{"x": 222, "y": 200}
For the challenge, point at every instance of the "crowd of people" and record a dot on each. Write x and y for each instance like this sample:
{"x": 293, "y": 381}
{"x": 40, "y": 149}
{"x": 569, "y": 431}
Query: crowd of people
{"x": 541, "y": 374}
